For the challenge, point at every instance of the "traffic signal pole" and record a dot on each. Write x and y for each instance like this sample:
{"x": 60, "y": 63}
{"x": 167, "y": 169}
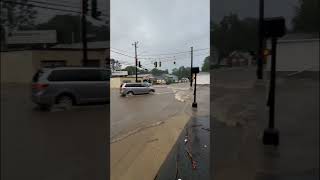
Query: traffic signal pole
{"x": 272, "y": 83}
{"x": 191, "y": 67}
{"x": 84, "y": 31}
{"x": 261, "y": 41}
{"x": 136, "y": 59}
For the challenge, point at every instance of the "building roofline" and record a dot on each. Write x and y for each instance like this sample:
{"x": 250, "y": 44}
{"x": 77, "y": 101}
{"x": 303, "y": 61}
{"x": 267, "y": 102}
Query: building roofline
{"x": 298, "y": 40}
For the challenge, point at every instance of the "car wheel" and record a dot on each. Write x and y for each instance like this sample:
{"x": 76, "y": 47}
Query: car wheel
{"x": 151, "y": 92}
{"x": 130, "y": 93}
{"x": 64, "y": 102}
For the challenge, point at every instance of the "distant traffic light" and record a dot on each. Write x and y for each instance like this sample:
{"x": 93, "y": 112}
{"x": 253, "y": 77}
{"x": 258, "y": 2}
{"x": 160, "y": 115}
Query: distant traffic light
{"x": 159, "y": 63}
{"x": 139, "y": 63}
{"x": 155, "y": 64}
{"x": 85, "y": 6}
{"x": 174, "y": 62}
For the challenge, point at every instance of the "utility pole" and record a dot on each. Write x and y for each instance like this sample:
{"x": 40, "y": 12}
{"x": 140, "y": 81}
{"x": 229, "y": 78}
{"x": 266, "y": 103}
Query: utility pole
{"x": 136, "y": 59}
{"x": 261, "y": 41}
{"x": 191, "y": 67}
{"x": 84, "y": 31}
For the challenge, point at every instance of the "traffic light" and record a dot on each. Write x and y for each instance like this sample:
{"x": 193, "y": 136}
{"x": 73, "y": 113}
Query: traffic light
{"x": 155, "y": 64}
{"x": 139, "y": 63}
{"x": 85, "y": 6}
{"x": 174, "y": 62}
{"x": 94, "y": 11}
{"x": 159, "y": 63}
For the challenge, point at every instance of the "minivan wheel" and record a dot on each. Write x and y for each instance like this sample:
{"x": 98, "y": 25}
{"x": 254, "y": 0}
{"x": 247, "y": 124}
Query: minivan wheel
{"x": 64, "y": 102}
{"x": 130, "y": 93}
{"x": 151, "y": 92}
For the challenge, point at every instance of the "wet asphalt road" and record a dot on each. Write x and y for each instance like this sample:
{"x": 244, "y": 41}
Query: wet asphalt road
{"x": 51, "y": 145}
{"x": 130, "y": 113}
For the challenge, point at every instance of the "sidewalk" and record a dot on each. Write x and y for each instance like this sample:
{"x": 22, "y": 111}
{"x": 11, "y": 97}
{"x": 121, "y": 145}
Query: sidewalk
{"x": 240, "y": 116}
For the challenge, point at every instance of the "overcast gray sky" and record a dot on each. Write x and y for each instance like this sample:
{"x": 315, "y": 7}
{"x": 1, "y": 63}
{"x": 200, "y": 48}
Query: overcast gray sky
{"x": 160, "y": 27}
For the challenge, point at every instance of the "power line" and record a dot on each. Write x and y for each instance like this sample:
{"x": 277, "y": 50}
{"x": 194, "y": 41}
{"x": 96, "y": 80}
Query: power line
{"x": 182, "y": 52}
{"x": 51, "y": 8}
{"x": 54, "y": 4}
{"x": 121, "y": 53}
{"x": 121, "y": 50}
{"x": 37, "y": 6}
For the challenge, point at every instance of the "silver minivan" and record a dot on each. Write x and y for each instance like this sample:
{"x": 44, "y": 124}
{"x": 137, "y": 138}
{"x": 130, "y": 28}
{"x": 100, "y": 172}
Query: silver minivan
{"x": 135, "y": 89}
{"x": 67, "y": 86}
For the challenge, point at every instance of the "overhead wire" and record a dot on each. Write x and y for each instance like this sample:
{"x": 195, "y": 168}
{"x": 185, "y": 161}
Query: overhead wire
{"x": 50, "y": 6}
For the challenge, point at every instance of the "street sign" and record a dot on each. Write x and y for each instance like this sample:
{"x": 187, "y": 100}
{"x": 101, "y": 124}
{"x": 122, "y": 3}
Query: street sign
{"x": 195, "y": 70}
{"x": 274, "y": 27}
{"x": 32, "y": 37}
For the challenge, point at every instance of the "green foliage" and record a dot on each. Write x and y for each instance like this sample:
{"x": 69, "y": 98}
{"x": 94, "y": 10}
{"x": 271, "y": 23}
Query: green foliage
{"x": 233, "y": 34}
{"x": 182, "y": 72}
{"x": 132, "y": 70}
{"x": 15, "y": 16}
{"x": 66, "y": 25}
{"x": 206, "y": 64}
{"x": 158, "y": 72}
{"x": 307, "y": 16}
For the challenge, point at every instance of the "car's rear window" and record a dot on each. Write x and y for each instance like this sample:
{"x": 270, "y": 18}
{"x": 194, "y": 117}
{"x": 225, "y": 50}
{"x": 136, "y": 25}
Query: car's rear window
{"x": 37, "y": 76}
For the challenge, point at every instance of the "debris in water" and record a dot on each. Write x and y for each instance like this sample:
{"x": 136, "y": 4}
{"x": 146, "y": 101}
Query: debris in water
{"x": 193, "y": 163}
{"x": 196, "y": 125}
{"x": 207, "y": 129}
{"x": 152, "y": 140}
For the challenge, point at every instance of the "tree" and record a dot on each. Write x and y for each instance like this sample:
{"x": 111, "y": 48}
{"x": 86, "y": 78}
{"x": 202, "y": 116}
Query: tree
{"x": 182, "y": 72}
{"x": 158, "y": 72}
{"x": 14, "y": 16}
{"x": 115, "y": 65}
{"x": 233, "y": 34}
{"x": 206, "y": 64}
{"x": 307, "y": 16}
{"x": 68, "y": 29}
{"x": 132, "y": 70}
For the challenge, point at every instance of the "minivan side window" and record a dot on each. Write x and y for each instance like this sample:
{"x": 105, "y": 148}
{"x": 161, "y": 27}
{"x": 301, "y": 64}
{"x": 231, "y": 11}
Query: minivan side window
{"x": 76, "y": 75}
{"x": 90, "y": 75}
{"x": 62, "y": 75}
{"x": 129, "y": 85}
